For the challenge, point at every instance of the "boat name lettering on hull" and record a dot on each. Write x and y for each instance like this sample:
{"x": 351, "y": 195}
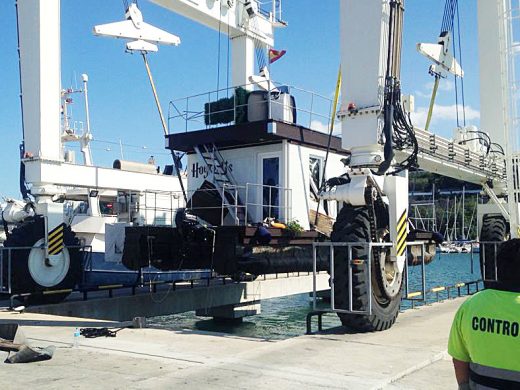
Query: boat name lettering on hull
{"x": 199, "y": 170}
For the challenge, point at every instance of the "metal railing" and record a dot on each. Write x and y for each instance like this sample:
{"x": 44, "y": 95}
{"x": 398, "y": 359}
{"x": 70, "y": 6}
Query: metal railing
{"x": 158, "y": 208}
{"x": 451, "y": 153}
{"x": 235, "y": 105}
{"x": 415, "y": 296}
{"x": 485, "y": 261}
{"x": 271, "y": 8}
{"x": 281, "y": 209}
{"x": 350, "y": 263}
{"x": 421, "y": 295}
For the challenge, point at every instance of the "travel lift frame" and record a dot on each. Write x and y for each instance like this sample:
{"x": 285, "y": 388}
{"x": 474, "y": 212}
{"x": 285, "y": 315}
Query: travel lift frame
{"x": 366, "y": 124}
{"x": 370, "y": 101}
{"x": 371, "y": 34}
{"x": 47, "y": 172}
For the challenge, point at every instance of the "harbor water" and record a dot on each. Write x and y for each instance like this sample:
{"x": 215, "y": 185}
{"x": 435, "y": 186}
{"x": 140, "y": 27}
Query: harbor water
{"x": 285, "y": 317}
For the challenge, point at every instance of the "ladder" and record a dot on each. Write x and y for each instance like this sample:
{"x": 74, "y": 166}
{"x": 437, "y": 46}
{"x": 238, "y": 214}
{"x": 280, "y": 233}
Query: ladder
{"x": 223, "y": 181}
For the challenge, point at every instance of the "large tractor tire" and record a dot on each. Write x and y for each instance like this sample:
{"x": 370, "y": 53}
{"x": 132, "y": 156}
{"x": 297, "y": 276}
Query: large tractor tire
{"x": 354, "y": 225}
{"x": 494, "y": 230}
{"x": 32, "y": 273}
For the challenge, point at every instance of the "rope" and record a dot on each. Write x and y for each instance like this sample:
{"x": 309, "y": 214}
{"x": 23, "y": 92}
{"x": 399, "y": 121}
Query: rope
{"x": 219, "y": 48}
{"x": 260, "y": 50}
{"x": 331, "y": 127}
{"x": 163, "y": 298}
{"x": 460, "y": 62}
{"x": 456, "y": 91}
{"x": 449, "y": 15}
{"x": 228, "y": 53}
{"x": 451, "y": 10}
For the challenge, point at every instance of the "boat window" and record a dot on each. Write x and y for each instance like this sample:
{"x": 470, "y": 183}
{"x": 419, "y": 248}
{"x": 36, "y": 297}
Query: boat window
{"x": 315, "y": 168}
{"x": 107, "y": 208}
{"x": 81, "y": 208}
{"x": 271, "y": 180}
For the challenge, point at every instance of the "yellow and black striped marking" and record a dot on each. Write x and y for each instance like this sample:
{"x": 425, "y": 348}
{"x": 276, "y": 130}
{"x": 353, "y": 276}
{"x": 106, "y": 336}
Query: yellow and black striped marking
{"x": 402, "y": 224}
{"x": 56, "y": 240}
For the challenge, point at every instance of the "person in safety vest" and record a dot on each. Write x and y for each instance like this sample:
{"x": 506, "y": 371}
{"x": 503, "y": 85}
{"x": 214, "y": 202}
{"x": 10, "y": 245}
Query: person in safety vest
{"x": 485, "y": 334}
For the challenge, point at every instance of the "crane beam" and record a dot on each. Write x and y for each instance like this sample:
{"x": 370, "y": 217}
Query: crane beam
{"x": 219, "y": 15}
{"x": 63, "y": 174}
{"x": 247, "y": 25}
{"x": 448, "y": 158}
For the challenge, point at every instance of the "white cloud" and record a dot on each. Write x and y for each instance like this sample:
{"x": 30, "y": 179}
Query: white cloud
{"x": 442, "y": 113}
{"x": 319, "y": 126}
{"x": 423, "y": 94}
{"x": 445, "y": 85}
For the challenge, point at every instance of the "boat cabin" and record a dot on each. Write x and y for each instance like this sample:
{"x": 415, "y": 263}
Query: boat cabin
{"x": 251, "y": 159}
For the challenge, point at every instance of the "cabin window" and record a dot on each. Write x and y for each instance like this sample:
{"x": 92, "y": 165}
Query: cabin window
{"x": 316, "y": 176}
{"x": 271, "y": 182}
{"x": 107, "y": 208}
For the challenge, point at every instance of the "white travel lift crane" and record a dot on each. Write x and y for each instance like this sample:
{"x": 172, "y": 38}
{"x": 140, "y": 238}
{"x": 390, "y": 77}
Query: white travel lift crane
{"x": 46, "y": 252}
{"x": 45, "y": 239}
{"x": 371, "y": 184}
{"x": 384, "y": 145}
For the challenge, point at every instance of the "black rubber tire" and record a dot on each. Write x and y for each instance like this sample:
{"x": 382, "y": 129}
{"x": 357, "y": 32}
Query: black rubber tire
{"x": 26, "y": 235}
{"x": 353, "y": 225}
{"x": 494, "y": 229}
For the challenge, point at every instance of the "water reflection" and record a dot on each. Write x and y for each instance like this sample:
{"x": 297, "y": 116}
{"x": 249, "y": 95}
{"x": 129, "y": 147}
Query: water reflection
{"x": 285, "y": 317}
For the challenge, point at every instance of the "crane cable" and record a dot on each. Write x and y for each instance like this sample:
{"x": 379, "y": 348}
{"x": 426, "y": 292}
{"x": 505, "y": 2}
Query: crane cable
{"x": 219, "y": 52}
{"x": 460, "y": 62}
{"x": 451, "y": 11}
{"x": 448, "y": 19}
{"x": 175, "y": 157}
{"x": 219, "y": 48}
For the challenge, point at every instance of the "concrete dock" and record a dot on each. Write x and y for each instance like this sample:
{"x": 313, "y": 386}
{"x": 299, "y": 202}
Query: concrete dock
{"x": 213, "y": 298}
{"x": 411, "y": 355}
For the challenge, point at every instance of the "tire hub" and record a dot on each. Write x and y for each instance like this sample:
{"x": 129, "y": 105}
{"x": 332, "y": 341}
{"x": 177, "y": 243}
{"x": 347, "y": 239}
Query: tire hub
{"x": 387, "y": 274}
{"x": 47, "y": 271}
{"x": 390, "y": 278}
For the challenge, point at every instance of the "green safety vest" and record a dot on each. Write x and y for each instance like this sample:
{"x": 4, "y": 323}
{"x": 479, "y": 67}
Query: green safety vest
{"x": 486, "y": 333}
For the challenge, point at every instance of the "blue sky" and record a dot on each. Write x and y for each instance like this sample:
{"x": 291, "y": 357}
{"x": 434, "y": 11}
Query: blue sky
{"x": 121, "y": 103}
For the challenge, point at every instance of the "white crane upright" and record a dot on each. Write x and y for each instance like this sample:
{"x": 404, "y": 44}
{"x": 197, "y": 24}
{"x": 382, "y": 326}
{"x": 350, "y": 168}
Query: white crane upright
{"x": 384, "y": 145}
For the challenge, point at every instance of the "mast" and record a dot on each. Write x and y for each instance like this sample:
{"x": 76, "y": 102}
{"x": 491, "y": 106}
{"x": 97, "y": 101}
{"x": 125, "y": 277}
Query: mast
{"x": 463, "y": 212}
{"x": 448, "y": 219}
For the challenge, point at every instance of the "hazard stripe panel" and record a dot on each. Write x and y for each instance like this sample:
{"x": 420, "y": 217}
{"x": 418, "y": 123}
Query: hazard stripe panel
{"x": 58, "y": 229}
{"x": 56, "y": 240}
{"x": 402, "y": 224}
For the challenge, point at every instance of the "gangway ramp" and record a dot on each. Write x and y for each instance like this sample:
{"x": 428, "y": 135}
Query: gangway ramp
{"x": 202, "y": 296}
